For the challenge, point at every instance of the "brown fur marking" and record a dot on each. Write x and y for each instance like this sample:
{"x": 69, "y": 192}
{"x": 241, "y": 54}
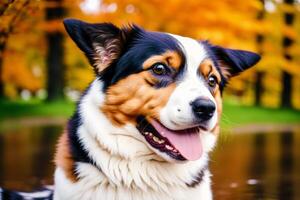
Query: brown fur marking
{"x": 218, "y": 99}
{"x": 207, "y": 69}
{"x": 170, "y": 58}
{"x": 134, "y": 96}
{"x": 63, "y": 157}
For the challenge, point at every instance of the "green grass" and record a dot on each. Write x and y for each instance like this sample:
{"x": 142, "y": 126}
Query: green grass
{"x": 22, "y": 109}
{"x": 233, "y": 115}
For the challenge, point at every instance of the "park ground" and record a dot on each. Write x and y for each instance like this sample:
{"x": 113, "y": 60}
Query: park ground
{"x": 58, "y": 111}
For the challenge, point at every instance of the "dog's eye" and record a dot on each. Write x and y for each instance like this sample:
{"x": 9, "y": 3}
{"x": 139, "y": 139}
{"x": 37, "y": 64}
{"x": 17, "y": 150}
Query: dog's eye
{"x": 159, "y": 69}
{"x": 212, "y": 81}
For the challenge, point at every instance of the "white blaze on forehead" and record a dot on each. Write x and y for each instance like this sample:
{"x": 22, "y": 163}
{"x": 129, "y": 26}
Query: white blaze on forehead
{"x": 178, "y": 114}
{"x": 192, "y": 83}
{"x": 193, "y": 50}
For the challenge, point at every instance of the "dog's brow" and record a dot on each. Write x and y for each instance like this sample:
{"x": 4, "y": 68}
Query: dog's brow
{"x": 207, "y": 67}
{"x": 170, "y": 58}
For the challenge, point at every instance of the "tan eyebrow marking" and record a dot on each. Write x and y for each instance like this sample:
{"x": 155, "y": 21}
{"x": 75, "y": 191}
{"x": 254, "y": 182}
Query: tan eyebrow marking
{"x": 207, "y": 68}
{"x": 170, "y": 58}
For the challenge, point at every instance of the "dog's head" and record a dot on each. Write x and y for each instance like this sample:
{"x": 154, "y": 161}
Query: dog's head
{"x": 169, "y": 87}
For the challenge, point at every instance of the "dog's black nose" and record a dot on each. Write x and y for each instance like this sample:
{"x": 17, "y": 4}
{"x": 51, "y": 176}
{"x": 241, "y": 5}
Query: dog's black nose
{"x": 203, "y": 108}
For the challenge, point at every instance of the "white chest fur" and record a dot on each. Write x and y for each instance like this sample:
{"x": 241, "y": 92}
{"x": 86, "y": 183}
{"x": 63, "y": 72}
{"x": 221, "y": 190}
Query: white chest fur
{"x": 93, "y": 184}
{"x": 126, "y": 167}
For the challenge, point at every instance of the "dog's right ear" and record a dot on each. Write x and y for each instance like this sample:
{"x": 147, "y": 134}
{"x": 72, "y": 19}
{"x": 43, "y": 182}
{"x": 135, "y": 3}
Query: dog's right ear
{"x": 102, "y": 43}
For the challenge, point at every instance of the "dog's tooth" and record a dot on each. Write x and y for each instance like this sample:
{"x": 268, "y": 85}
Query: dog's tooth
{"x": 150, "y": 134}
{"x": 156, "y": 139}
{"x": 161, "y": 141}
{"x": 175, "y": 150}
{"x": 146, "y": 133}
{"x": 168, "y": 147}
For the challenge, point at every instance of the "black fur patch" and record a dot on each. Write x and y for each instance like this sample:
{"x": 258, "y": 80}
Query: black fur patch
{"x": 142, "y": 45}
{"x": 214, "y": 58}
{"x": 77, "y": 150}
{"x": 198, "y": 178}
{"x": 86, "y": 34}
{"x": 42, "y": 194}
{"x": 125, "y": 48}
{"x": 79, "y": 153}
{"x": 235, "y": 60}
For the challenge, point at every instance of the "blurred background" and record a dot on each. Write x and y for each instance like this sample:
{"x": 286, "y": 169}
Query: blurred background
{"x": 42, "y": 73}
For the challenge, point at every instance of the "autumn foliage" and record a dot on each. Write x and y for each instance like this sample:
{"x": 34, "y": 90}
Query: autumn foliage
{"x": 231, "y": 23}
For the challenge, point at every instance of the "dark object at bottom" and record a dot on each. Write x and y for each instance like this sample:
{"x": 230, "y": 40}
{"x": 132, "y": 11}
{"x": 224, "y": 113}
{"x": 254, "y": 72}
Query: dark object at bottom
{"x": 42, "y": 194}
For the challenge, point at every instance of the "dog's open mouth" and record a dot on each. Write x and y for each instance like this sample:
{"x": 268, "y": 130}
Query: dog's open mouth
{"x": 180, "y": 145}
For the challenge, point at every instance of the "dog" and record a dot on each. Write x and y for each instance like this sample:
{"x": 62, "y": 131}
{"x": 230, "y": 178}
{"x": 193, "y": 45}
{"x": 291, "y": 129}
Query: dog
{"x": 142, "y": 130}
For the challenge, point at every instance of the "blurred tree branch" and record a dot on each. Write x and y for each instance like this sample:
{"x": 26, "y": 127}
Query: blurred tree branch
{"x": 15, "y": 9}
{"x": 4, "y": 6}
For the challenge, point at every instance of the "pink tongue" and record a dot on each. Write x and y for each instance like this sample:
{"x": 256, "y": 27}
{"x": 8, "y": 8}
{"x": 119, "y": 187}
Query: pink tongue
{"x": 187, "y": 141}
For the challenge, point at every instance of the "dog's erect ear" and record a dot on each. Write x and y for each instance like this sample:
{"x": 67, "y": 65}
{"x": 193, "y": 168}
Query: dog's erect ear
{"x": 102, "y": 43}
{"x": 235, "y": 61}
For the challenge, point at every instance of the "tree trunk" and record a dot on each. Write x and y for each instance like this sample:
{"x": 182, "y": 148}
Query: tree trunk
{"x": 2, "y": 48}
{"x": 258, "y": 88}
{"x": 286, "y": 95}
{"x": 55, "y": 55}
{"x": 259, "y": 75}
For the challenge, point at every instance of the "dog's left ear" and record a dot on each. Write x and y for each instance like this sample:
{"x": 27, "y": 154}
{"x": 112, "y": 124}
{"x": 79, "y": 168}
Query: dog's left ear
{"x": 235, "y": 61}
{"x": 102, "y": 43}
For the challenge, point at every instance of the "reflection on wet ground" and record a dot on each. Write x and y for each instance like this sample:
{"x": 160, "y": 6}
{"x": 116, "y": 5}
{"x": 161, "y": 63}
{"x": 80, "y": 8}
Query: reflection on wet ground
{"x": 244, "y": 166}
{"x": 258, "y": 166}
{"x": 27, "y": 157}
